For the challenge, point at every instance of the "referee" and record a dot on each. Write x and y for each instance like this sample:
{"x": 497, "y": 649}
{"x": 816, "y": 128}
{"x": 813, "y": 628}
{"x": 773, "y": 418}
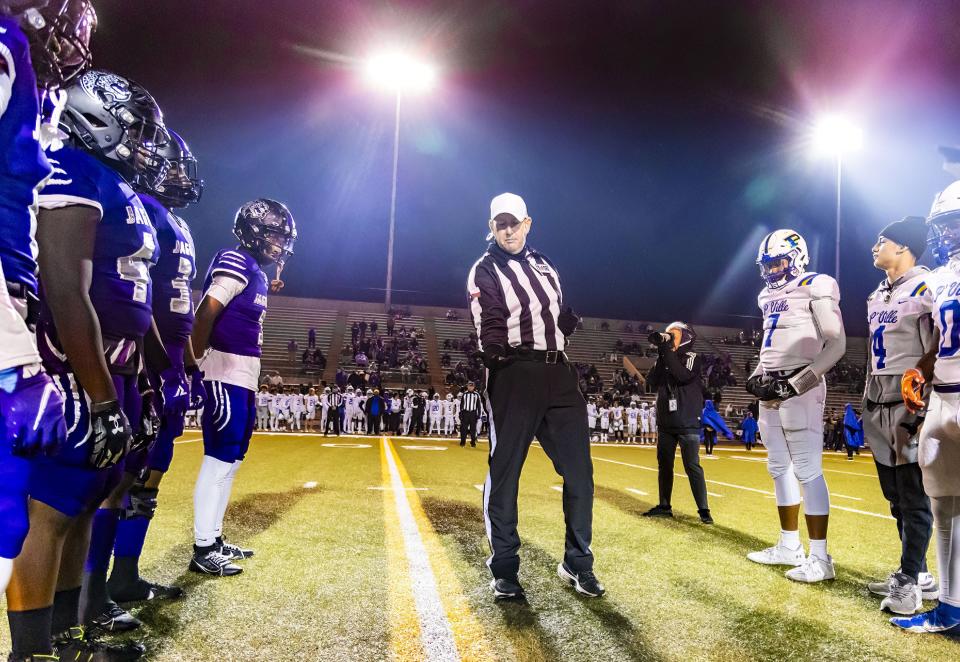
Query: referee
{"x": 469, "y": 414}
{"x": 532, "y": 390}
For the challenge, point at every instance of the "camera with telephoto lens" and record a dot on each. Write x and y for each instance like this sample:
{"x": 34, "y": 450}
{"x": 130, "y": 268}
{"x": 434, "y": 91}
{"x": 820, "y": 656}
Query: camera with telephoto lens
{"x": 658, "y": 338}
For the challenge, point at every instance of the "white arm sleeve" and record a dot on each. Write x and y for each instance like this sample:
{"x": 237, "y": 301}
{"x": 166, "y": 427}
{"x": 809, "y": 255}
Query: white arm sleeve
{"x": 829, "y": 321}
{"x": 224, "y": 288}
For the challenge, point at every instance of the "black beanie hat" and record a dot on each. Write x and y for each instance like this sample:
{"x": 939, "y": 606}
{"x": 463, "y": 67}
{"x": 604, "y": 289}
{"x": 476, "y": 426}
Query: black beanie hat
{"x": 910, "y": 231}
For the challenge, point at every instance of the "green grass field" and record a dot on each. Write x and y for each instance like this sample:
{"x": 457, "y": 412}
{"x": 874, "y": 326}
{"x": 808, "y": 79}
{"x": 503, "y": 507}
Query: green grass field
{"x": 333, "y": 580}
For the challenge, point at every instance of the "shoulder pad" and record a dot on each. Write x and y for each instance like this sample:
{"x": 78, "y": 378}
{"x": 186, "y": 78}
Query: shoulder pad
{"x": 822, "y": 286}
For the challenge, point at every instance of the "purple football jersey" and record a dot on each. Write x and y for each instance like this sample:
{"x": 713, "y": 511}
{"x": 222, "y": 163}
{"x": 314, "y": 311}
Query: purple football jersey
{"x": 239, "y": 329}
{"x": 23, "y": 166}
{"x": 126, "y": 243}
{"x": 173, "y": 273}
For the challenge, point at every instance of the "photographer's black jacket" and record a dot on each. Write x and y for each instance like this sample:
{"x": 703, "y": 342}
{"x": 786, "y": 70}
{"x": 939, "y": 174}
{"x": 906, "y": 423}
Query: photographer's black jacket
{"x": 677, "y": 375}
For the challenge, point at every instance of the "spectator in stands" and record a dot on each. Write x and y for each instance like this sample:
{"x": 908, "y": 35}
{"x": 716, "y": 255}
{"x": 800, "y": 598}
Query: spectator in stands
{"x": 292, "y": 351}
{"x": 604, "y": 325}
{"x": 391, "y": 322}
{"x": 358, "y": 379}
{"x": 452, "y": 314}
{"x": 360, "y": 359}
{"x": 354, "y": 333}
{"x": 363, "y": 329}
{"x": 373, "y": 327}
{"x": 340, "y": 379}
{"x": 312, "y": 338}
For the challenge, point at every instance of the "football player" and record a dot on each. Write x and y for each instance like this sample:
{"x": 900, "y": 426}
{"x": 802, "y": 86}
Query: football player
{"x": 604, "y": 415}
{"x": 939, "y": 450}
{"x": 297, "y": 408}
{"x": 450, "y": 413}
{"x": 263, "y": 408}
{"x": 96, "y": 246}
{"x": 310, "y": 402}
{"x": 803, "y": 339}
{"x": 592, "y": 414}
{"x": 633, "y": 417}
{"x": 349, "y": 404}
{"x": 616, "y": 415}
{"x": 227, "y": 334}
{"x": 31, "y": 410}
{"x": 901, "y": 332}
{"x": 436, "y": 414}
{"x": 646, "y": 413}
{"x": 172, "y": 276}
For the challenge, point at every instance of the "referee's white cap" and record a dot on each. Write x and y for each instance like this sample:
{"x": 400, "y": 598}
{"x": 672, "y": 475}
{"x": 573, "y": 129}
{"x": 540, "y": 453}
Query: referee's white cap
{"x": 508, "y": 203}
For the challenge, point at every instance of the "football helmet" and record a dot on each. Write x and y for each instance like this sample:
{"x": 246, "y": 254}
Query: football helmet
{"x": 782, "y": 245}
{"x": 181, "y": 186}
{"x": 944, "y": 224}
{"x": 267, "y": 229}
{"x": 687, "y": 334}
{"x": 117, "y": 120}
{"x": 59, "y": 33}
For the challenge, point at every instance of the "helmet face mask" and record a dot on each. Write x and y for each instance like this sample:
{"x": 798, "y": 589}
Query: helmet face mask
{"x": 181, "y": 186}
{"x": 943, "y": 222}
{"x": 59, "y": 33}
{"x": 782, "y": 257}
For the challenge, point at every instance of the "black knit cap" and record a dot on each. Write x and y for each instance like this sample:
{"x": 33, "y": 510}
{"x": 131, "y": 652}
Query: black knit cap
{"x": 910, "y": 231}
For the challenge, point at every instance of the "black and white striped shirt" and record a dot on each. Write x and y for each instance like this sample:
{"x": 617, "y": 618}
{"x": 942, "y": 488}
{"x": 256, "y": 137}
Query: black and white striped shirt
{"x": 470, "y": 402}
{"x": 515, "y": 300}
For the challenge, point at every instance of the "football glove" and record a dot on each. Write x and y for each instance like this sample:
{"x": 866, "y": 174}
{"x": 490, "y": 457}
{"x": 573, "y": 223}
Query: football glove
{"x": 175, "y": 391}
{"x": 149, "y": 428}
{"x": 567, "y": 321}
{"x": 198, "y": 392}
{"x": 767, "y": 389}
{"x": 111, "y": 435}
{"x": 32, "y": 412}
{"x": 911, "y": 390}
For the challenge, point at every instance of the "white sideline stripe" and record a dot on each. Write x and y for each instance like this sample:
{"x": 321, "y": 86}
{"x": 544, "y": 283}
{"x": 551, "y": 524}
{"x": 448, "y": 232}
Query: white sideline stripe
{"x": 636, "y": 491}
{"x": 393, "y": 489}
{"x": 741, "y": 487}
{"x": 309, "y": 486}
{"x": 479, "y": 486}
{"x": 844, "y": 496}
{"x": 556, "y": 488}
{"x": 850, "y": 473}
{"x": 714, "y": 494}
{"x": 747, "y": 459}
{"x": 435, "y": 632}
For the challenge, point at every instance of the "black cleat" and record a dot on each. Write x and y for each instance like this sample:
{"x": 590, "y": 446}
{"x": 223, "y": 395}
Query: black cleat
{"x": 76, "y": 645}
{"x": 209, "y": 561}
{"x": 143, "y": 591}
{"x": 659, "y": 511}
{"x": 114, "y": 619}
{"x": 232, "y": 551}
{"x": 507, "y": 589}
{"x": 705, "y": 516}
{"x": 585, "y": 582}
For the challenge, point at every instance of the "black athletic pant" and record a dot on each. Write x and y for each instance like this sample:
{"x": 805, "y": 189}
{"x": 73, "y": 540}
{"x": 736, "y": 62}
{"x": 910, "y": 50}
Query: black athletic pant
{"x": 373, "y": 424}
{"x": 468, "y": 423}
{"x": 709, "y": 439}
{"x": 531, "y": 399}
{"x": 902, "y": 486}
{"x": 333, "y": 421}
{"x": 417, "y": 422}
{"x": 690, "y": 454}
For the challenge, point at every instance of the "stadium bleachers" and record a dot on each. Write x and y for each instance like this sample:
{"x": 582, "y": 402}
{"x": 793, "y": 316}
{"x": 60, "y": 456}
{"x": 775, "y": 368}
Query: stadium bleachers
{"x": 287, "y": 318}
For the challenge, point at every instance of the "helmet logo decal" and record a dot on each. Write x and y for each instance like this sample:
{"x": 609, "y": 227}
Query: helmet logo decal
{"x": 107, "y": 87}
{"x": 793, "y": 240}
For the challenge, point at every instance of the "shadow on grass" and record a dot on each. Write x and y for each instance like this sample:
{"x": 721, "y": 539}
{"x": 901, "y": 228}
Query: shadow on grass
{"x": 463, "y": 523}
{"x": 245, "y": 519}
{"x": 849, "y": 581}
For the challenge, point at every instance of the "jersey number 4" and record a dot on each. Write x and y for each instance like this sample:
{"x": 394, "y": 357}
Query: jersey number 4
{"x": 876, "y": 347}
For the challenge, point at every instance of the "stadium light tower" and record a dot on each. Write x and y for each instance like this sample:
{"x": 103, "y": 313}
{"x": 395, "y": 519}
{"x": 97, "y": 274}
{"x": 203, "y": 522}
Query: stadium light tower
{"x": 400, "y": 74}
{"x": 836, "y": 136}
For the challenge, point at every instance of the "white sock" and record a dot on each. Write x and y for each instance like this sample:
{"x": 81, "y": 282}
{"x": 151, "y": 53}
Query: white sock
{"x": 946, "y": 517}
{"x": 818, "y": 548}
{"x": 206, "y": 499}
{"x": 790, "y": 539}
{"x": 6, "y": 569}
{"x": 225, "y": 492}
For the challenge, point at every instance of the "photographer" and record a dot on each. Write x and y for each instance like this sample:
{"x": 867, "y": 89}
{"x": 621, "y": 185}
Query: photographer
{"x": 676, "y": 378}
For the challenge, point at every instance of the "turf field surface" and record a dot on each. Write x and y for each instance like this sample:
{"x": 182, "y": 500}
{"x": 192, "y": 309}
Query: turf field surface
{"x": 373, "y": 548}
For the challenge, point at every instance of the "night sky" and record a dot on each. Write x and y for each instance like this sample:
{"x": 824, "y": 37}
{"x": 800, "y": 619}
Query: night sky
{"x": 654, "y": 142}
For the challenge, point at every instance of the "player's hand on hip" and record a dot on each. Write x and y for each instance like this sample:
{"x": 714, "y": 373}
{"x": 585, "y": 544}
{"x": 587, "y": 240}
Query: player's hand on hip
{"x": 911, "y": 390}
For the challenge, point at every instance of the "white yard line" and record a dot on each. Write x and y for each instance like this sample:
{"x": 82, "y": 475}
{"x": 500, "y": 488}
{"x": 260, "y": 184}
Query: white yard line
{"x": 844, "y": 496}
{"x": 636, "y": 491}
{"x": 436, "y": 635}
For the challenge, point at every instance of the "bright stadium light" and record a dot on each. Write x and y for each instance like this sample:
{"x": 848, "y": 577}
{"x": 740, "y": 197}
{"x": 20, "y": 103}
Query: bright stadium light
{"x": 403, "y": 75}
{"x": 400, "y": 73}
{"x": 837, "y": 136}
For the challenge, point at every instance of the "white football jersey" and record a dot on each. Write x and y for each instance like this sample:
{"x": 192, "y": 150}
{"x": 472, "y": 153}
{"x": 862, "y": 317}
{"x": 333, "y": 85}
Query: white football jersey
{"x": 349, "y": 401}
{"x": 944, "y": 284}
{"x": 263, "y": 399}
{"x": 790, "y": 335}
{"x": 895, "y": 315}
{"x": 311, "y": 402}
{"x": 618, "y": 413}
{"x": 283, "y": 402}
{"x": 604, "y": 417}
{"x": 632, "y": 414}
{"x": 435, "y": 407}
{"x": 645, "y": 413}
{"x": 591, "y": 410}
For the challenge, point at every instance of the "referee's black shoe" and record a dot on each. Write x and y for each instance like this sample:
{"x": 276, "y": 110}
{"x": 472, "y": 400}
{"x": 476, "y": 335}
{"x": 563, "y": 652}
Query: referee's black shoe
{"x": 659, "y": 511}
{"x": 507, "y": 589}
{"x": 585, "y": 582}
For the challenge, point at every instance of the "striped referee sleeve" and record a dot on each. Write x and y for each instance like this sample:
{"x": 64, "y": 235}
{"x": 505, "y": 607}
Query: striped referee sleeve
{"x": 487, "y": 307}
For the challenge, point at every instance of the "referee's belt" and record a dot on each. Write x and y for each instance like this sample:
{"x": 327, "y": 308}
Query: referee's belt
{"x": 537, "y": 355}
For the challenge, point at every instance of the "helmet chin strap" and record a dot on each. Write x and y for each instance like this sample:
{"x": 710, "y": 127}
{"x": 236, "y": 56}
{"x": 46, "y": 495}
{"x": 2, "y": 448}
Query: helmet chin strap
{"x": 276, "y": 284}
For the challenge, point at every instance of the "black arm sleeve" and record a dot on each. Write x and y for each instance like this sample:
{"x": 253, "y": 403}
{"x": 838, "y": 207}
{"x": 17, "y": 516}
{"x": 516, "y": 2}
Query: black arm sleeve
{"x": 488, "y": 308}
{"x": 679, "y": 369}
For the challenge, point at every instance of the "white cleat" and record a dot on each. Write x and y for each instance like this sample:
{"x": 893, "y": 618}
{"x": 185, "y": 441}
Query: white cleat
{"x": 905, "y": 596}
{"x": 814, "y": 569}
{"x": 778, "y": 555}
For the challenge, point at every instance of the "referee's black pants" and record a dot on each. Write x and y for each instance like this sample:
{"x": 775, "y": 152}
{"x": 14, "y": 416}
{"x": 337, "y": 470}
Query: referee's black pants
{"x": 528, "y": 399}
{"x": 902, "y": 486}
{"x": 468, "y": 423}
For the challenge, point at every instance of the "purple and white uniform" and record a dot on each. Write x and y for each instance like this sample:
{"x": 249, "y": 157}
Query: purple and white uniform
{"x": 120, "y": 291}
{"x": 232, "y": 364}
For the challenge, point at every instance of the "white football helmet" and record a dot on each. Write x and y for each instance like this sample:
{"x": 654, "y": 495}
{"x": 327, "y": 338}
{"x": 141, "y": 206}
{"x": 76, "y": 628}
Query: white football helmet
{"x": 409, "y": 391}
{"x": 782, "y": 245}
{"x": 944, "y": 224}
{"x": 449, "y": 396}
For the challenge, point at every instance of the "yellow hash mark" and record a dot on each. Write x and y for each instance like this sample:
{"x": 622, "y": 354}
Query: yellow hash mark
{"x": 405, "y": 641}
{"x": 468, "y": 633}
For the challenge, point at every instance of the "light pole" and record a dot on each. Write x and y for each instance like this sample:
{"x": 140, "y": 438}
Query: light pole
{"x": 400, "y": 74}
{"x": 836, "y": 136}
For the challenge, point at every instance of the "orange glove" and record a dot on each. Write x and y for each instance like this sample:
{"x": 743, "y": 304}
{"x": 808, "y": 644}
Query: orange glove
{"x": 911, "y": 390}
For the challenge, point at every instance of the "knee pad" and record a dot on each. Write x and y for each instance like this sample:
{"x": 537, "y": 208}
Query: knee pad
{"x": 141, "y": 502}
{"x": 806, "y": 451}
{"x": 787, "y": 489}
{"x": 778, "y": 463}
{"x": 816, "y": 496}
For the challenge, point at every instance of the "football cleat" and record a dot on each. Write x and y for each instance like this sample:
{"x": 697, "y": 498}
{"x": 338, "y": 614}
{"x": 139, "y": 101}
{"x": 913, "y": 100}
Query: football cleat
{"x": 778, "y": 555}
{"x": 659, "y": 511}
{"x": 76, "y": 644}
{"x": 905, "y": 596}
{"x": 943, "y": 618}
{"x": 507, "y": 589}
{"x": 114, "y": 619}
{"x": 233, "y": 551}
{"x": 143, "y": 591}
{"x": 814, "y": 569}
{"x": 212, "y": 562}
{"x": 584, "y": 582}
